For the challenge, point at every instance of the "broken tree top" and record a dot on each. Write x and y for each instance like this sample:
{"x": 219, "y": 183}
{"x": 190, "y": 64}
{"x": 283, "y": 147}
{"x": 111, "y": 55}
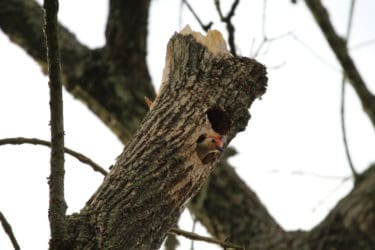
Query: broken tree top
{"x": 202, "y": 104}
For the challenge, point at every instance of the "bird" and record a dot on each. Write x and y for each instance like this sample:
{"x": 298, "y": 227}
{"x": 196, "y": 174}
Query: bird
{"x": 209, "y": 147}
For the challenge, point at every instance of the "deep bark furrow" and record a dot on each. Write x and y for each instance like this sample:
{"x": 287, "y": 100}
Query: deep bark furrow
{"x": 159, "y": 170}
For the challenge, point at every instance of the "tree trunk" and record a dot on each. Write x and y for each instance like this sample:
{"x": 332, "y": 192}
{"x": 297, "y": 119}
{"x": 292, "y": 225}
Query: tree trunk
{"x": 231, "y": 209}
{"x": 204, "y": 89}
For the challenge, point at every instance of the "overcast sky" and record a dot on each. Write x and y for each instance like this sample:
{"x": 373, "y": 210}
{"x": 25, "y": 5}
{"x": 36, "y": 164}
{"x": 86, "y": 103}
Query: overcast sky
{"x": 290, "y": 154}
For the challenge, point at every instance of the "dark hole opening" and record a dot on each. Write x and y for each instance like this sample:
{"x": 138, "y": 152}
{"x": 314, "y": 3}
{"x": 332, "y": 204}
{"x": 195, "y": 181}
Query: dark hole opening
{"x": 219, "y": 119}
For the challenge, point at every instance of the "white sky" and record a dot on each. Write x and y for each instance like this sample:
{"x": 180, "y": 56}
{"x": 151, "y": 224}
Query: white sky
{"x": 294, "y": 128}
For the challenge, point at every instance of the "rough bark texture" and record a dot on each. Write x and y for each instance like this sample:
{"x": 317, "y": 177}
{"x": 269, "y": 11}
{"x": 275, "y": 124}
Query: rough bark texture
{"x": 233, "y": 211}
{"x": 159, "y": 170}
{"x": 88, "y": 76}
{"x": 107, "y": 84}
{"x": 57, "y": 204}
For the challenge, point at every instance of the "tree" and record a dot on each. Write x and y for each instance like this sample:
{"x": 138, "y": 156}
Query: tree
{"x": 98, "y": 78}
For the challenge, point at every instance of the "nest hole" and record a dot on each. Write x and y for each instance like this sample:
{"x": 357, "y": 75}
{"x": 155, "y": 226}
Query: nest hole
{"x": 219, "y": 119}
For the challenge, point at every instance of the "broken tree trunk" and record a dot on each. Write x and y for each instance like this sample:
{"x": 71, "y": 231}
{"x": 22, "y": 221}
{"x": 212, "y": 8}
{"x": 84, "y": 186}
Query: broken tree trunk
{"x": 204, "y": 90}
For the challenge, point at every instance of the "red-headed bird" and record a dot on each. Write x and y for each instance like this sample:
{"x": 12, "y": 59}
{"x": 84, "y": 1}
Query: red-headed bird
{"x": 209, "y": 145}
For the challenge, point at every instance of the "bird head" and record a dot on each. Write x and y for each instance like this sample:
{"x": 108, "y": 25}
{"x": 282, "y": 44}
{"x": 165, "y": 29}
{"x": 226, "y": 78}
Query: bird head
{"x": 209, "y": 146}
{"x": 214, "y": 143}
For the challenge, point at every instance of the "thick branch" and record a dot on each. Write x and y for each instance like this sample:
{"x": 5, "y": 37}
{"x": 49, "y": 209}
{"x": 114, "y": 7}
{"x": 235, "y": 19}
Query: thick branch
{"x": 351, "y": 224}
{"x": 233, "y": 211}
{"x": 22, "y": 21}
{"x": 112, "y": 90}
{"x": 338, "y": 46}
{"x": 159, "y": 170}
{"x": 57, "y": 204}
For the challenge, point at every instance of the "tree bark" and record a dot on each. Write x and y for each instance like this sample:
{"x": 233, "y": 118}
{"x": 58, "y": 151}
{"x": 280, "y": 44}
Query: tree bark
{"x": 86, "y": 76}
{"x": 159, "y": 170}
{"x": 107, "y": 84}
{"x": 233, "y": 211}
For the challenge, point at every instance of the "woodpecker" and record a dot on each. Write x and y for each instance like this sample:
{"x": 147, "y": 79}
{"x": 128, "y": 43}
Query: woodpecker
{"x": 208, "y": 146}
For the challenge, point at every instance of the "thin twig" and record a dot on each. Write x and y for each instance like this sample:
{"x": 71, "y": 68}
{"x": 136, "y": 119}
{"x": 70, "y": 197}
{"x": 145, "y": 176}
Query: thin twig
{"x": 82, "y": 158}
{"x": 265, "y": 39}
{"x": 338, "y": 46}
{"x": 311, "y": 174}
{"x": 205, "y": 27}
{"x": 323, "y": 200}
{"x": 342, "y": 104}
{"x": 343, "y": 130}
{"x": 57, "y": 204}
{"x": 362, "y": 45}
{"x": 195, "y": 220}
{"x": 350, "y": 21}
{"x": 314, "y": 53}
{"x": 228, "y": 22}
{"x": 194, "y": 236}
{"x": 268, "y": 40}
{"x": 8, "y": 230}
{"x": 264, "y": 18}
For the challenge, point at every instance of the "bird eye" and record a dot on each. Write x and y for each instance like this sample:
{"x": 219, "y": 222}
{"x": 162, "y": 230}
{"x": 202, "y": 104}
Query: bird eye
{"x": 213, "y": 140}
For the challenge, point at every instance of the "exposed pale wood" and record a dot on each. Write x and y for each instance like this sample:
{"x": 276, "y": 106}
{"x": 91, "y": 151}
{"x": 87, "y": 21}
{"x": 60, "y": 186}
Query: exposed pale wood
{"x": 159, "y": 170}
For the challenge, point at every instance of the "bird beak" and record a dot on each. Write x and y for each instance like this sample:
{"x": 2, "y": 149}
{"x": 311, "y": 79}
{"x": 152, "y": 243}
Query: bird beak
{"x": 220, "y": 149}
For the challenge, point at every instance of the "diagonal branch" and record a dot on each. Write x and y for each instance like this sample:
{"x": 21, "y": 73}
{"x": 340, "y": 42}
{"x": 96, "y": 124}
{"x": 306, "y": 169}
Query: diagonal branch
{"x": 228, "y": 21}
{"x": 57, "y": 204}
{"x": 8, "y": 230}
{"x": 205, "y": 91}
{"x": 194, "y": 236}
{"x": 339, "y": 47}
{"x": 82, "y": 158}
{"x": 205, "y": 27}
{"x": 342, "y": 104}
{"x": 112, "y": 91}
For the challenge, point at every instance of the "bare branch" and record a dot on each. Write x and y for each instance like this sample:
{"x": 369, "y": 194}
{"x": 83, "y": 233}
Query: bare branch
{"x": 57, "y": 204}
{"x": 228, "y": 21}
{"x": 8, "y": 230}
{"x": 82, "y": 158}
{"x": 343, "y": 130}
{"x": 339, "y": 47}
{"x": 314, "y": 53}
{"x": 342, "y": 104}
{"x": 205, "y": 27}
{"x": 310, "y": 174}
{"x": 194, "y": 236}
{"x": 362, "y": 45}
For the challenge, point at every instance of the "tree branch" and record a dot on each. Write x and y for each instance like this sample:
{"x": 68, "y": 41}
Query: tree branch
{"x": 233, "y": 211}
{"x": 204, "y": 88}
{"x": 194, "y": 236}
{"x": 228, "y": 21}
{"x": 8, "y": 230}
{"x": 205, "y": 27}
{"x": 342, "y": 104}
{"x": 57, "y": 204}
{"x": 23, "y": 21}
{"x": 82, "y": 158}
{"x": 339, "y": 47}
{"x": 105, "y": 84}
